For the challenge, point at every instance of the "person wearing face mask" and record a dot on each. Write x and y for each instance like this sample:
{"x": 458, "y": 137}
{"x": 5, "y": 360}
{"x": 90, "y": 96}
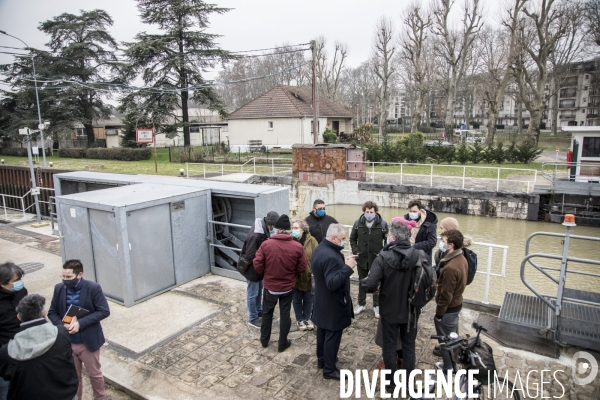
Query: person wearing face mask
{"x": 447, "y": 224}
{"x": 12, "y": 291}
{"x": 333, "y": 304}
{"x": 303, "y": 296}
{"x": 261, "y": 230}
{"x": 318, "y": 221}
{"x": 366, "y": 240}
{"x": 85, "y": 333}
{"x": 424, "y": 235}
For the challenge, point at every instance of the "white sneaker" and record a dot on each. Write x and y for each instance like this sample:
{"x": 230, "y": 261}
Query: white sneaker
{"x": 301, "y": 325}
{"x": 440, "y": 365}
{"x": 376, "y": 311}
{"x": 309, "y": 325}
{"x": 358, "y": 309}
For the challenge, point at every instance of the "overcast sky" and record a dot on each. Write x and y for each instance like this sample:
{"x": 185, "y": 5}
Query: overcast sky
{"x": 252, "y": 24}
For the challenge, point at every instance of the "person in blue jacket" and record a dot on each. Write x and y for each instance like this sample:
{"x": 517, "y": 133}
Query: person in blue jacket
{"x": 85, "y": 333}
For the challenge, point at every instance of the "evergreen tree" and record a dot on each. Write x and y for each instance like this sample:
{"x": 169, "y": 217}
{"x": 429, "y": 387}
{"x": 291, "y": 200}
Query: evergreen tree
{"x": 171, "y": 62}
{"x": 82, "y": 52}
{"x": 130, "y": 121}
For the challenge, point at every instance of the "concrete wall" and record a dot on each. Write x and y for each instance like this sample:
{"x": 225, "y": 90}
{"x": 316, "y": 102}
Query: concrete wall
{"x": 470, "y": 202}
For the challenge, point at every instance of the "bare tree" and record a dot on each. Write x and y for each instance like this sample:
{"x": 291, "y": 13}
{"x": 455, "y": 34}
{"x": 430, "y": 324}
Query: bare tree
{"x": 454, "y": 45}
{"x": 540, "y": 26}
{"x": 496, "y": 52}
{"x": 384, "y": 48}
{"x": 591, "y": 14}
{"x": 413, "y": 42}
{"x": 329, "y": 73}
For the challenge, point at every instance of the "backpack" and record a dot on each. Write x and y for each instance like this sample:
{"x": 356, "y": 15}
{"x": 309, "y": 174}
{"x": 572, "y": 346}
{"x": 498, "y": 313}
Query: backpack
{"x": 423, "y": 278}
{"x": 471, "y": 257}
{"x": 483, "y": 356}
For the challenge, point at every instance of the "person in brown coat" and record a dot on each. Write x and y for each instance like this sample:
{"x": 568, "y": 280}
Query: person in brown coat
{"x": 450, "y": 287}
{"x": 303, "y": 296}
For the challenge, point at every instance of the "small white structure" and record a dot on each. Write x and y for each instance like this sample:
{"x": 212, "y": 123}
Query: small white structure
{"x": 585, "y": 145}
{"x": 282, "y": 117}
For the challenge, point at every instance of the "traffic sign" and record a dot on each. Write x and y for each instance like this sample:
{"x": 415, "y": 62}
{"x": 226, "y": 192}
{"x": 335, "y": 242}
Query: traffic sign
{"x": 144, "y": 135}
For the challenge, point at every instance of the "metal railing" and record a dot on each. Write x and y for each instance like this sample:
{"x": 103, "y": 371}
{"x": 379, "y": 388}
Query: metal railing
{"x": 560, "y": 281}
{"x": 562, "y": 171}
{"x": 23, "y": 208}
{"x": 250, "y": 167}
{"x": 448, "y": 175}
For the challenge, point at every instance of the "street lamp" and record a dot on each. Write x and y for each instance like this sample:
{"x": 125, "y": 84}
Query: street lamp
{"x": 41, "y": 125}
{"x": 34, "y": 190}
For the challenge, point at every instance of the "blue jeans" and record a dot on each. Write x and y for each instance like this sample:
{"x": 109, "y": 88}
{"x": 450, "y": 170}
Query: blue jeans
{"x": 303, "y": 303}
{"x": 4, "y": 389}
{"x": 254, "y": 299}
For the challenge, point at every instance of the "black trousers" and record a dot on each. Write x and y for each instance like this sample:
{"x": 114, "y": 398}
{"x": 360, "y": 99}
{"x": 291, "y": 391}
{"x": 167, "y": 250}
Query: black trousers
{"x": 328, "y": 345}
{"x": 390, "y": 333}
{"x": 285, "y": 322}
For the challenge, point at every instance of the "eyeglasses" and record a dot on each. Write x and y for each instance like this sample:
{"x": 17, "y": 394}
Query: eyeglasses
{"x": 62, "y": 277}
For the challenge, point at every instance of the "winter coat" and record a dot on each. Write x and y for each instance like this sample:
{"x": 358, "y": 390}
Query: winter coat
{"x": 367, "y": 242}
{"x": 309, "y": 243}
{"x": 92, "y": 299}
{"x": 38, "y": 362}
{"x": 391, "y": 274}
{"x": 332, "y": 307}
{"x": 256, "y": 236}
{"x": 280, "y": 259}
{"x": 9, "y": 324}
{"x": 426, "y": 239}
{"x": 318, "y": 225}
{"x": 451, "y": 283}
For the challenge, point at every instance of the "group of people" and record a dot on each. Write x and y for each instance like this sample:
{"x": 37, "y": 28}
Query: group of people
{"x": 300, "y": 263}
{"x": 41, "y": 359}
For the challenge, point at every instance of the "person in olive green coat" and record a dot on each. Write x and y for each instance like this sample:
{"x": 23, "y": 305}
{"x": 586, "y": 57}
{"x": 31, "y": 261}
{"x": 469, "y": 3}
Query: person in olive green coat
{"x": 366, "y": 240}
{"x": 303, "y": 296}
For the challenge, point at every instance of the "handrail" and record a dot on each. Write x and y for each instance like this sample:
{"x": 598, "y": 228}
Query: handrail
{"x": 233, "y": 168}
{"x": 565, "y": 175}
{"x": 23, "y": 209}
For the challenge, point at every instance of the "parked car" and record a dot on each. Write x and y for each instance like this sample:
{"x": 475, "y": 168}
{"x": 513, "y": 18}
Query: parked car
{"x": 438, "y": 142}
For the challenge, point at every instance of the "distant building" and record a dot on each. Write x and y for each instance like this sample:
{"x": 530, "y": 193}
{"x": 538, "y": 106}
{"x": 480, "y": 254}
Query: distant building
{"x": 283, "y": 116}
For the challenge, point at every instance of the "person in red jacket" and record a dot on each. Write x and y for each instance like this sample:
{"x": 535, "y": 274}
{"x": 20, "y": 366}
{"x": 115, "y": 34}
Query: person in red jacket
{"x": 281, "y": 259}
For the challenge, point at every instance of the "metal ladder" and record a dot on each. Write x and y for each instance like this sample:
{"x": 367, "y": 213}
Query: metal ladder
{"x": 571, "y": 316}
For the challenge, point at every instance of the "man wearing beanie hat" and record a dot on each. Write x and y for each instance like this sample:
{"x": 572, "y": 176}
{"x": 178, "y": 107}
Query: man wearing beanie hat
{"x": 280, "y": 259}
{"x": 260, "y": 231}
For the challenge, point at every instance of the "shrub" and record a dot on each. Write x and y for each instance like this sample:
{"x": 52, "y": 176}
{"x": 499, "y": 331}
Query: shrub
{"x": 488, "y": 153}
{"x": 119, "y": 153}
{"x": 498, "y": 153}
{"x": 528, "y": 151}
{"x": 476, "y": 153}
{"x": 441, "y": 153}
{"x": 329, "y": 136}
{"x": 463, "y": 154}
{"x": 13, "y": 151}
{"x": 511, "y": 152}
{"x": 74, "y": 152}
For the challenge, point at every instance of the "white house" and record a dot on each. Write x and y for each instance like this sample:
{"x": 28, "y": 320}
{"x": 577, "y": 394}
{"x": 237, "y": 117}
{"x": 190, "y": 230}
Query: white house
{"x": 282, "y": 117}
{"x": 585, "y": 145}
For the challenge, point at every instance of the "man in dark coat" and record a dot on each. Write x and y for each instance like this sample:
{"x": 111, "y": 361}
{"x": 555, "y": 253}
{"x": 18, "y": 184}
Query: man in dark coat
{"x": 281, "y": 259}
{"x": 332, "y": 303}
{"x": 424, "y": 235}
{"x": 38, "y": 362}
{"x": 85, "y": 333}
{"x": 261, "y": 230}
{"x": 318, "y": 221}
{"x": 391, "y": 275}
{"x": 366, "y": 240}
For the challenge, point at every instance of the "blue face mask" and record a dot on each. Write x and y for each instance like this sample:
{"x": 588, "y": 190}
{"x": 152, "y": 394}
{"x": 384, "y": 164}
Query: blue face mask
{"x": 343, "y": 244}
{"x": 321, "y": 213}
{"x": 388, "y": 240}
{"x": 370, "y": 217}
{"x": 296, "y": 233}
{"x": 17, "y": 285}
{"x": 272, "y": 231}
{"x": 413, "y": 215}
{"x": 442, "y": 248}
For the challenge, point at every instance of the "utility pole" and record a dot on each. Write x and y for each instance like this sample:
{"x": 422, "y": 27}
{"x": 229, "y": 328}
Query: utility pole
{"x": 34, "y": 190}
{"x": 315, "y": 124}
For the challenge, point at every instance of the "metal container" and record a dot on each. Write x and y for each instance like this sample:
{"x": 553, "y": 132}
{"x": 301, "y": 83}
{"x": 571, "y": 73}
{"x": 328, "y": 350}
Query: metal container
{"x": 324, "y": 163}
{"x": 138, "y": 240}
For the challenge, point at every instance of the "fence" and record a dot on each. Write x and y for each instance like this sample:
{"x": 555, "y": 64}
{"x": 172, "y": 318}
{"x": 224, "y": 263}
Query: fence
{"x": 199, "y": 154}
{"x": 453, "y": 176}
{"x": 81, "y": 143}
{"x": 272, "y": 166}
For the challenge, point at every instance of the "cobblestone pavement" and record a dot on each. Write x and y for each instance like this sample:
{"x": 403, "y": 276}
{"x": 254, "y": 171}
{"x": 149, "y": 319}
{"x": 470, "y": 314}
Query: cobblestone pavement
{"x": 224, "y": 355}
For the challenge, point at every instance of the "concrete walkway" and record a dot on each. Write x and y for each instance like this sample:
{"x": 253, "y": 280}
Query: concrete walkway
{"x": 219, "y": 357}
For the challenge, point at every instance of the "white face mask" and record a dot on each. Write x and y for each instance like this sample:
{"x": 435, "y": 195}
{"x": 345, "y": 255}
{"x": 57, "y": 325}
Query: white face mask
{"x": 413, "y": 215}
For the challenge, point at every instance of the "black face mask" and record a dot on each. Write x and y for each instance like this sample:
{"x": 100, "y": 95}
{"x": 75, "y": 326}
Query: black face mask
{"x": 71, "y": 283}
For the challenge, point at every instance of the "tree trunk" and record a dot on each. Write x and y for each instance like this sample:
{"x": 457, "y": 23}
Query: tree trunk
{"x": 534, "y": 126}
{"x": 492, "y": 118}
{"x": 519, "y": 116}
{"x": 89, "y": 132}
{"x": 554, "y": 109}
{"x": 185, "y": 118}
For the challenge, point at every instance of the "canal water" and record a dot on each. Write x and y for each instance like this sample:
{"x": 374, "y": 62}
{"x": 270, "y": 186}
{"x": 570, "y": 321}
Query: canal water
{"x": 511, "y": 233}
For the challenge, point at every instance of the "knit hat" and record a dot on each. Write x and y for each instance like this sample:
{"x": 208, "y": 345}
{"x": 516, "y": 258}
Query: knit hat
{"x": 283, "y": 223}
{"x": 271, "y": 218}
{"x": 409, "y": 224}
{"x": 449, "y": 223}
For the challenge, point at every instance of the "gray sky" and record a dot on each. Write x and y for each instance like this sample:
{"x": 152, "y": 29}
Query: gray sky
{"x": 252, "y": 24}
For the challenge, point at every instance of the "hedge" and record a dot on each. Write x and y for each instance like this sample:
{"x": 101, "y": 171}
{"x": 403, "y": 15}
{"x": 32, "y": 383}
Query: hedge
{"x": 119, "y": 153}
{"x": 74, "y": 152}
{"x": 13, "y": 151}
